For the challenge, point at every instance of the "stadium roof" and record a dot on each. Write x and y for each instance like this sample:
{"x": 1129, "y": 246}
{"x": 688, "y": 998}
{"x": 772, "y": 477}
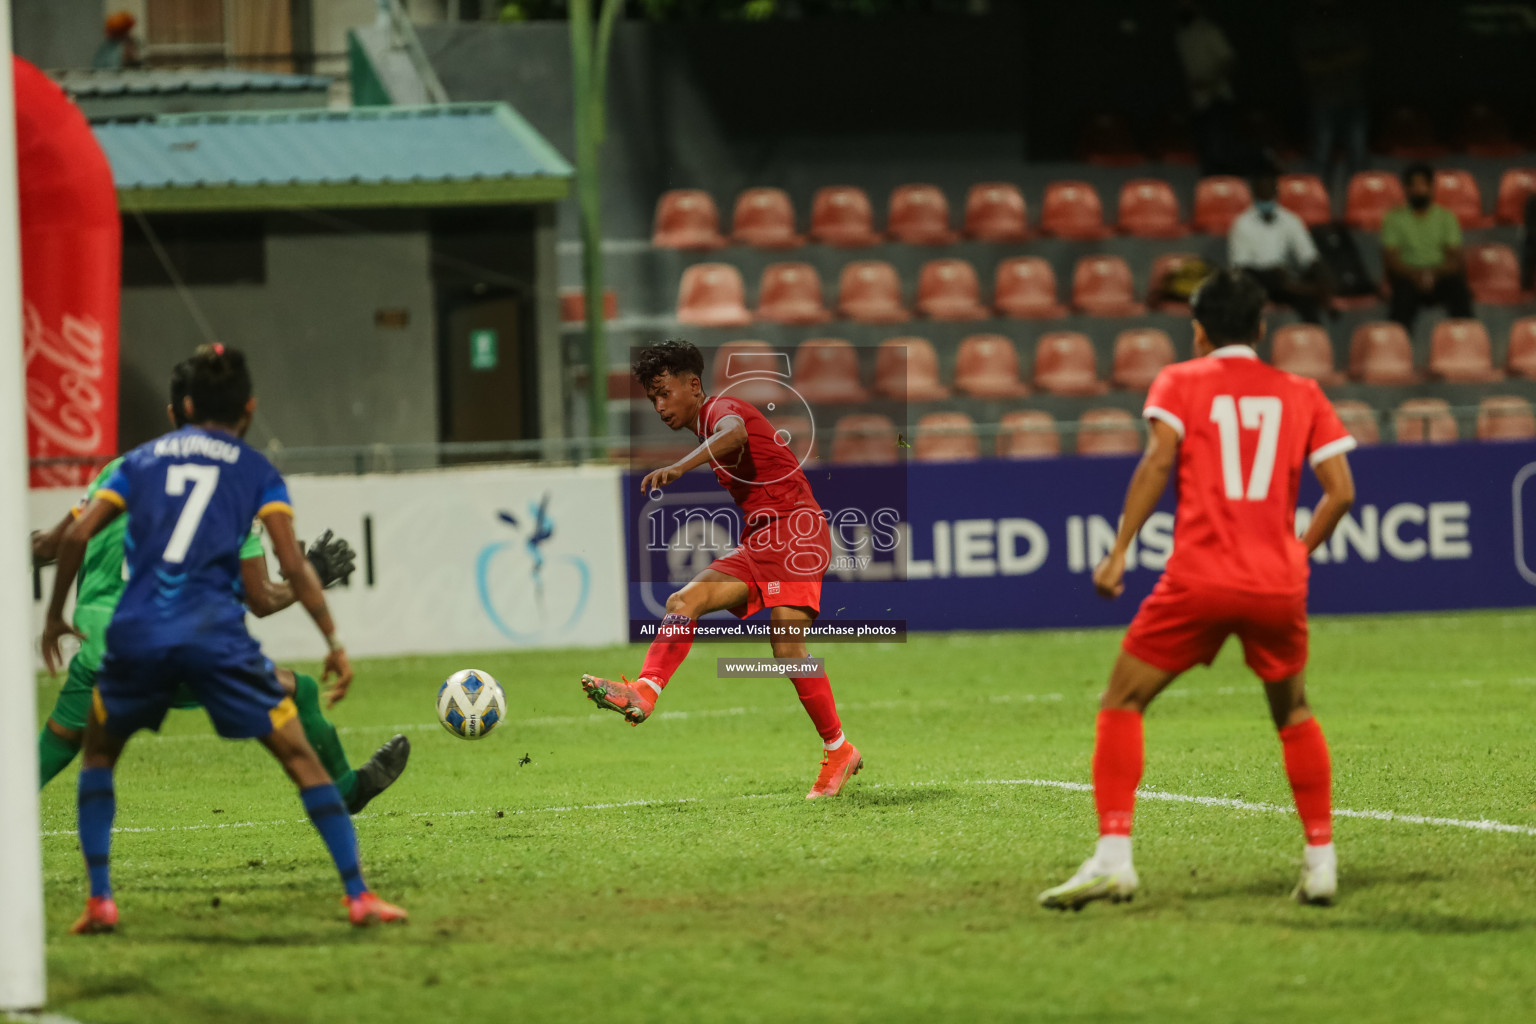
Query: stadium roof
{"x": 455, "y": 154}
{"x": 157, "y": 82}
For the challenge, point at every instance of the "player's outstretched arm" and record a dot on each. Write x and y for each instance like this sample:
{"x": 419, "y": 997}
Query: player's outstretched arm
{"x": 45, "y": 543}
{"x": 730, "y": 437}
{"x": 334, "y": 562}
{"x": 307, "y": 590}
{"x": 1338, "y": 495}
{"x": 71, "y": 552}
{"x": 1141, "y": 498}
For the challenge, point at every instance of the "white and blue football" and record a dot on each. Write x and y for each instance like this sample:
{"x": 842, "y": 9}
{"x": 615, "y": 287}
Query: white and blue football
{"x": 471, "y": 703}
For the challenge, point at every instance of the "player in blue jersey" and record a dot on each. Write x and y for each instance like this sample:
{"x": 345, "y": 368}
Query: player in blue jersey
{"x": 190, "y": 497}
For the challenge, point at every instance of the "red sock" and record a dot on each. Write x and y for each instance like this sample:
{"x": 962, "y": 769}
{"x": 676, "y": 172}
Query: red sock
{"x": 673, "y": 642}
{"x": 1311, "y": 775}
{"x": 816, "y": 695}
{"x": 1117, "y": 760}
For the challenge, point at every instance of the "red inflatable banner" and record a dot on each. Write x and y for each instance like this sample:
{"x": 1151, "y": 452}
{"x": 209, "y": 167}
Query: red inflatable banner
{"x": 71, "y": 282}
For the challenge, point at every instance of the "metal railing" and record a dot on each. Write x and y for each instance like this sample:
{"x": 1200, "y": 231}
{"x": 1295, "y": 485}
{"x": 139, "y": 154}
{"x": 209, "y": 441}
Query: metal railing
{"x": 402, "y": 37}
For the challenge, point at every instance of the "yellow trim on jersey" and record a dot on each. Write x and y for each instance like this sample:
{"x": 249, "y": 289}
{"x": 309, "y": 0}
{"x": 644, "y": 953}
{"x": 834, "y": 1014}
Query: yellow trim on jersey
{"x": 74, "y": 511}
{"x": 110, "y": 496}
{"x": 98, "y": 708}
{"x": 273, "y": 506}
{"x": 284, "y": 713}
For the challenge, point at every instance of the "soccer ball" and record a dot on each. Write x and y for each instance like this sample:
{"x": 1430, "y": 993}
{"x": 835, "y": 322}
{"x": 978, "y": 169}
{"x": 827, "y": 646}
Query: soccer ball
{"x": 471, "y": 703}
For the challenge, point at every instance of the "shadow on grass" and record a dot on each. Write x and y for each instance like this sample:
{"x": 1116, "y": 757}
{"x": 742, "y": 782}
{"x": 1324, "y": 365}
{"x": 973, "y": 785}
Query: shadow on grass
{"x": 897, "y": 797}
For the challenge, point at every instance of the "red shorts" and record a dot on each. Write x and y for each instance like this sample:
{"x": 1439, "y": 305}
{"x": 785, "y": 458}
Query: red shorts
{"x": 782, "y": 562}
{"x": 1181, "y": 625}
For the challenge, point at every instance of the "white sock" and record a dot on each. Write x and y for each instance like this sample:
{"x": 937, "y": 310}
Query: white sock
{"x": 834, "y": 744}
{"x": 649, "y": 683}
{"x": 1317, "y": 856}
{"x": 1113, "y": 851}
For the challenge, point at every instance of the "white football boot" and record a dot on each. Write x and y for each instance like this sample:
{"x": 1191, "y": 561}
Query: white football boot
{"x": 1319, "y": 877}
{"x": 1108, "y": 874}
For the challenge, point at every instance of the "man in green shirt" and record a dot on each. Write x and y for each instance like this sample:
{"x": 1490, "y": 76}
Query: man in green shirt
{"x": 1421, "y": 247}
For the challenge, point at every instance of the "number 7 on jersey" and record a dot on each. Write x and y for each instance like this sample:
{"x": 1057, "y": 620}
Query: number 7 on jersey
{"x": 1255, "y": 412}
{"x": 203, "y": 479}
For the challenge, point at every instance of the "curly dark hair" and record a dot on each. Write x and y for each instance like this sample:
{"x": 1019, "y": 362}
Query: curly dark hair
{"x": 674, "y": 356}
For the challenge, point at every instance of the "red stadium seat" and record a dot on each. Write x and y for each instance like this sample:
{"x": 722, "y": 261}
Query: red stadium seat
{"x": 1360, "y": 420}
{"x": 1380, "y": 353}
{"x": 841, "y": 216}
{"x": 1218, "y": 201}
{"x": 946, "y": 437}
{"x": 1028, "y": 434}
{"x": 1306, "y": 351}
{"x": 1460, "y": 352}
{"x": 1371, "y": 195}
{"x": 1106, "y": 141}
{"x": 987, "y": 366}
{"x": 1505, "y": 418}
{"x": 1485, "y": 133}
{"x": 1515, "y": 187}
{"x": 791, "y": 294}
{"x": 573, "y": 305}
{"x": 751, "y": 370}
{"x": 1072, "y": 210}
{"x": 1102, "y": 286}
{"x": 919, "y": 215}
{"x": 1493, "y": 272}
{"x": 1065, "y": 364}
{"x": 1306, "y": 197}
{"x": 1163, "y": 267}
{"x": 827, "y": 370}
{"x": 1408, "y": 134}
{"x": 712, "y": 295}
{"x": 1107, "y": 432}
{"x": 1149, "y": 209}
{"x": 686, "y": 218}
{"x": 865, "y": 439}
{"x": 907, "y": 369}
{"x": 1026, "y": 289}
{"x": 765, "y": 219}
{"x": 1521, "y": 361}
{"x": 1140, "y": 353}
{"x": 1458, "y": 192}
{"x": 994, "y": 212}
{"x": 948, "y": 290}
{"x": 1424, "y": 421}
{"x": 869, "y": 291}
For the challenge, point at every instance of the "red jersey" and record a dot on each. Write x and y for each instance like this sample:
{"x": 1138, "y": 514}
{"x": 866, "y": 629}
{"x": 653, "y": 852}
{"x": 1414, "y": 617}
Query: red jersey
{"x": 1245, "y": 431}
{"x": 764, "y": 477}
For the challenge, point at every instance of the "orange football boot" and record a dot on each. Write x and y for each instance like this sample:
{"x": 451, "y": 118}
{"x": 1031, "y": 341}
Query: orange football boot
{"x": 368, "y": 909}
{"x": 628, "y": 699}
{"x": 100, "y": 916}
{"x": 837, "y": 767}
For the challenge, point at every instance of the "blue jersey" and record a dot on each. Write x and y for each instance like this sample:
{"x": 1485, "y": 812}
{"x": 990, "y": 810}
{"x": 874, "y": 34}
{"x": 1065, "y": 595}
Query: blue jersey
{"x": 190, "y": 497}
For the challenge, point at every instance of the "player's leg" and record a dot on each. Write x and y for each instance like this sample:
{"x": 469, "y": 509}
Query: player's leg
{"x": 96, "y": 807}
{"x": 840, "y": 759}
{"x": 59, "y": 740}
{"x": 357, "y": 787}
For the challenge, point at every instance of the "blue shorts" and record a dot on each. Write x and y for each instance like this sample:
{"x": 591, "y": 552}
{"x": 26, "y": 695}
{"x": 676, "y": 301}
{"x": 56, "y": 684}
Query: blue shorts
{"x": 235, "y": 683}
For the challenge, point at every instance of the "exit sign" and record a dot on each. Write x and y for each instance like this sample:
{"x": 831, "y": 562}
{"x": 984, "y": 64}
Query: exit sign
{"x": 483, "y": 354}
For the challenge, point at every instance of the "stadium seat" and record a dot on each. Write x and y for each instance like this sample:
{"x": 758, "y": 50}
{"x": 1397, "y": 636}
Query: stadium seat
{"x": 1457, "y": 191}
{"x": 1028, "y": 434}
{"x": 1218, "y": 201}
{"x": 1139, "y": 354}
{"x": 907, "y": 369}
{"x": 1371, "y": 195}
{"x": 869, "y": 291}
{"x": 1521, "y": 360}
{"x": 791, "y": 294}
{"x": 573, "y": 305}
{"x": 1306, "y": 197}
{"x": 919, "y": 215}
{"x": 948, "y": 290}
{"x": 712, "y": 295}
{"x": 1306, "y": 351}
{"x": 1107, "y": 432}
{"x": 946, "y": 437}
{"x": 765, "y": 219}
{"x": 994, "y": 212}
{"x": 1505, "y": 418}
{"x": 687, "y": 218}
{"x": 1106, "y": 141}
{"x": 1485, "y": 133}
{"x": 865, "y": 439}
{"x": 1065, "y": 364}
{"x": 1163, "y": 267}
{"x": 987, "y": 366}
{"x": 1072, "y": 210}
{"x": 1515, "y": 187}
{"x": 1102, "y": 286}
{"x": 1360, "y": 420}
{"x": 1424, "y": 421}
{"x": 1408, "y": 134}
{"x": 1380, "y": 353}
{"x": 841, "y": 216}
{"x": 1460, "y": 352}
{"x": 1149, "y": 209}
{"x": 752, "y": 370}
{"x": 1493, "y": 273}
{"x": 827, "y": 370}
{"x": 1026, "y": 289}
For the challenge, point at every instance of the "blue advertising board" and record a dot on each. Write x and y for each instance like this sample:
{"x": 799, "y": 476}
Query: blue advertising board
{"x": 1012, "y": 544}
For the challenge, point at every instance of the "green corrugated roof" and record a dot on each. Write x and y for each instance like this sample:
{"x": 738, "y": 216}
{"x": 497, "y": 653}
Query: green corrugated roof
{"x": 377, "y": 156}
{"x": 88, "y": 82}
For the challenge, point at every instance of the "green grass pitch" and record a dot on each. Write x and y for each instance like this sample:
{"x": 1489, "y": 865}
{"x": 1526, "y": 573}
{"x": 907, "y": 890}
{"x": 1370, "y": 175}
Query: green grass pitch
{"x": 673, "y": 872}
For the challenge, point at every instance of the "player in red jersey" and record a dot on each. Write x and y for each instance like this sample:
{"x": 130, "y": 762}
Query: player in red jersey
{"x": 784, "y": 551}
{"x": 1241, "y": 432}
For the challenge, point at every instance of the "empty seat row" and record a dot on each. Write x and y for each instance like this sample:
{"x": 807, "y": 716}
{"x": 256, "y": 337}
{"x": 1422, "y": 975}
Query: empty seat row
{"x": 1380, "y": 352}
{"x": 1431, "y": 421}
{"x": 995, "y": 211}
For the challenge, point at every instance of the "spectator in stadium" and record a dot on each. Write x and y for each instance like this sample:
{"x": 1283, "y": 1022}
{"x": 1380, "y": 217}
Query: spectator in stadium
{"x": 1421, "y": 247}
{"x": 119, "y": 49}
{"x": 1273, "y": 245}
{"x": 1334, "y": 51}
{"x": 1208, "y": 60}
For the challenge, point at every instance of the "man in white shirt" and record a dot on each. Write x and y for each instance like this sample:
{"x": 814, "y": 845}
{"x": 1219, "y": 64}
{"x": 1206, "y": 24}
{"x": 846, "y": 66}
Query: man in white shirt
{"x": 1272, "y": 244}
